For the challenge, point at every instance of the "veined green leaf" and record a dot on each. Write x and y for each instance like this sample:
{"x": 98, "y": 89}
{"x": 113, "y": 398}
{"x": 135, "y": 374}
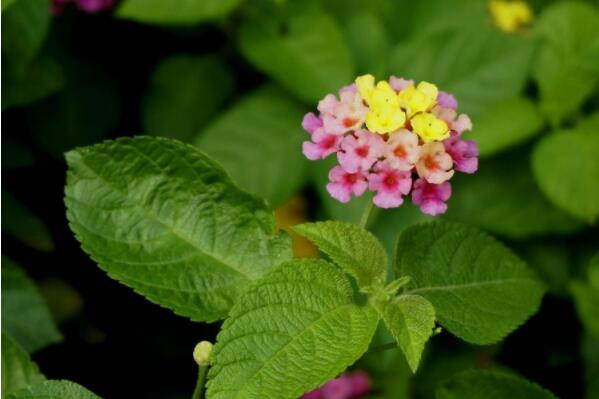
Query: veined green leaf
{"x": 25, "y": 315}
{"x": 186, "y": 12}
{"x": 481, "y": 291}
{"x": 18, "y": 370}
{"x": 54, "y": 389}
{"x": 411, "y": 319}
{"x": 292, "y": 331}
{"x": 353, "y": 248}
{"x": 185, "y": 91}
{"x": 259, "y": 142}
{"x": 479, "y": 384}
{"x": 301, "y": 47}
{"x": 163, "y": 218}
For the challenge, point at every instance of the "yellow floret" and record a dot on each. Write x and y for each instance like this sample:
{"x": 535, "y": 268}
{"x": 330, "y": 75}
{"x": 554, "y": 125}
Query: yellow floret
{"x": 510, "y": 16}
{"x": 385, "y": 119}
{"x": 429, "y": 127}
{"x": 383, "y": 96}
{"x": 365, "y": 86}
{"x": 418, "y": 99}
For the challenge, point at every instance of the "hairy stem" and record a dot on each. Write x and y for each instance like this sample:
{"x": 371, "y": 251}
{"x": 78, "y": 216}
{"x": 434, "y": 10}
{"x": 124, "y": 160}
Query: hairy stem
{"x": 198, "y": 392}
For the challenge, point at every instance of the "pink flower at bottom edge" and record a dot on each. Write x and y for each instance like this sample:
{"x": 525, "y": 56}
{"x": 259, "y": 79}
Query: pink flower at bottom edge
{"x": 360, "y": 383}
{"x": 313, "y": 394}
{"x": 390, "y": 185}
{"x": 431, "y": 198}
{"x": 344, "y": 184}
{"x": 94, "y": 6}
{"x": 463, "y": 152}
{"x": 339, "y": 388}
{"x": 311, "y": 122}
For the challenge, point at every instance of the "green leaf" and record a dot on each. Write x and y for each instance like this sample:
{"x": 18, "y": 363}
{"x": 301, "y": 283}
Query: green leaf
{"x": 369, "y": 43}
{"x": 353, "y": 248}
{"x": 24, "y": 27}
{"x": 42, "y": 78}
{"x": 481, "y": 291}
{"x": 163, "y": 218}
{"x": 18, "y": 370}
{"x": 479, "y": 384}
{"x": 493, "y": 134}
{"x": 502, "y": 197}
{"x": 25, "y": 315}
{"x": 6, "y": 4}
{"x": 566, "y": 166}
{"x": 186, "y": 12}
{"x": 292, "y": 331}
{"x": 19, "y": 222}
{"x": 586, "y": 298}
{"x": 54, "y": 389}
{"x": 184, "y": 93}
{"x": 259, "y": 142}
{"x": 301, "y": 47}
{"x": 569, "y": 29}
{"x": 479, "y": 66}
{"x": 84, "y": 112}
{"x": 411, "y": 320}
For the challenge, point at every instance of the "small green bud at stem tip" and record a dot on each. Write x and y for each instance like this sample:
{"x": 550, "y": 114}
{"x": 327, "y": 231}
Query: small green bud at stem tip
{"x": 202, "y": 353}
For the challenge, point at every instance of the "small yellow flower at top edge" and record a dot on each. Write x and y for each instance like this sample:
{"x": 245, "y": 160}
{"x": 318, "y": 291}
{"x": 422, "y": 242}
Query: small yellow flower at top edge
{"x": 418, "y": 99}
{"x": 429, "y": 127}
{"x": 510, "y": 16}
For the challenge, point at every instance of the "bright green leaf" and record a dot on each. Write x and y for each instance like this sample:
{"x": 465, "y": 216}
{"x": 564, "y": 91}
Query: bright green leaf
{"x": 25, "y": 315}
{"x": 54, "y": 389}
{"x": 19, "y": 222}
{"x": 18, "y": 370}
{"x": 566, "y": 166}
{"x": 481, "y": 384}
{"x": 479, "y": 66}
{"x": 259, "y": 141}
{"x": 502, "y": 197}
{"x": 411, "y": 319}
{"x": 24, "y": 27}
{"x": 569, "y": 29}
{"x": 292, "y": 331}
{"x": 185, "y": 91}
{"x": 186, "y": 12}
{"x": 493, "y": 134}
{"x": 42, "y": 78}
{"x": 356, "y": 250}
{"x": 161, "y": 217}
{"x": 481, "y": 291}
{"x": 301, "y": 47}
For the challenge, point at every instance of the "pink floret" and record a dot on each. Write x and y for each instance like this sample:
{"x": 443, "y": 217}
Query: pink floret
{"x": 431, "y": 198}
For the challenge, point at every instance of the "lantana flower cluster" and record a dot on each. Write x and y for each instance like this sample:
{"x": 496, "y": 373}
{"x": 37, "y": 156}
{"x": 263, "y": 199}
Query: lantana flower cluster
{"x": 394, "y": 138}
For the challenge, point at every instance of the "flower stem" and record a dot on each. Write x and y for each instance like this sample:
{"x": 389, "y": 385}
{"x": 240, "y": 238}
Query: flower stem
{"x": 199, "y": 390}
{"x": 366, "y": 214}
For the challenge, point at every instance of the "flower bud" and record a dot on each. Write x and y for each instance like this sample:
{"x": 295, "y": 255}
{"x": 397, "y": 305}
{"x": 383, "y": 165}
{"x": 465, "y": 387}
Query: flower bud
{"x": 202, "y": 353}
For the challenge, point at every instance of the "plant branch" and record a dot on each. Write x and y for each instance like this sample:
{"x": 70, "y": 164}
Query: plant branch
{"x": 366, "y": 214}
{"x": 199, "y": 390}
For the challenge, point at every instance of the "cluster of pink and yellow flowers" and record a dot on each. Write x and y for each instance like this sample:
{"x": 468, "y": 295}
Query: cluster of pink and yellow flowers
{"x": 352, "y": 385}
{"x": 393, "y": 138}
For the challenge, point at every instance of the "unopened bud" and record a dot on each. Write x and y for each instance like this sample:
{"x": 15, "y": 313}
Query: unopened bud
{"x": 202, "y": 353}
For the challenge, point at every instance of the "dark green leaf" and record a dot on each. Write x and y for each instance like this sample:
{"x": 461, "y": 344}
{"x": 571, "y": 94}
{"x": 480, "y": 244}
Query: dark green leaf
{"x": 54, "y": 389}
{"x": 186, "y": 12}
{"x": 19, "y": 222}
{"x": 18, "y": 370}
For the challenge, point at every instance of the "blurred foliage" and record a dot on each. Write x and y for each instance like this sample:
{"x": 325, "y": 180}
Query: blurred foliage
{"x": 234, "y": 79}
